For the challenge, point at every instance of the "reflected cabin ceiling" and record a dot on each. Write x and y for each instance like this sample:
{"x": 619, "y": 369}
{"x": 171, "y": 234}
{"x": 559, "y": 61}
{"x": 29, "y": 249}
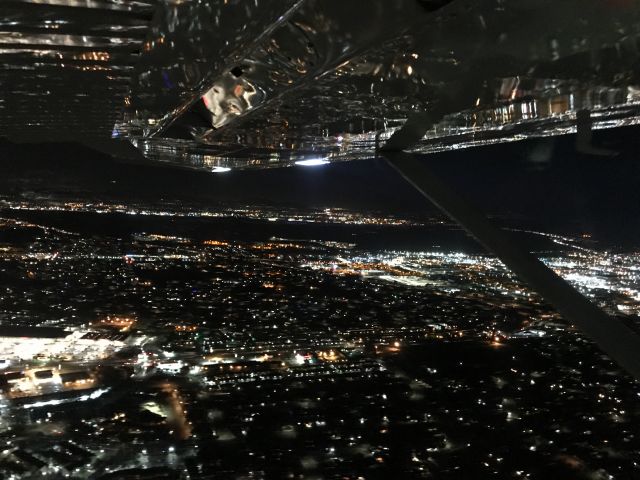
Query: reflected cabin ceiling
{"x": 218, "y": 84}
{"x": 67, "y": 65}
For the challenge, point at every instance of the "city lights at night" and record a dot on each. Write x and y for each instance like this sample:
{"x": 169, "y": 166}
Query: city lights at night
{"x": 309, "y": 240}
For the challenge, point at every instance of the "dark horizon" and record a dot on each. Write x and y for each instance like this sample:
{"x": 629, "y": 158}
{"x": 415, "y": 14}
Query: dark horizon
{"x": 540, "y": 183}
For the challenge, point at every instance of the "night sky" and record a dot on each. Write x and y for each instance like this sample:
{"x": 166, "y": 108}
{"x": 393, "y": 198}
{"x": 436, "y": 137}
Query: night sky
{"x": 539, "y": 183}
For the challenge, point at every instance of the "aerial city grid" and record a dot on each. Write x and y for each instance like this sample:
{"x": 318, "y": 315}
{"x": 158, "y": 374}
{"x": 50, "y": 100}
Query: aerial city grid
{"x": 311, "y": 240}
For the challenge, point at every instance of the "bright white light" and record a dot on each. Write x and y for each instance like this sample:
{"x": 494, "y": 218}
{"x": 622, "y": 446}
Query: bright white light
{"x": 83, "y": 398}
{"x": 220, "y": 169}
{"x": 312, "y": 162}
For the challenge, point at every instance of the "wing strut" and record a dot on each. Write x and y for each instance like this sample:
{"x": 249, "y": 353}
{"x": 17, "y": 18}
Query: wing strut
{"x": 609, "y": 333}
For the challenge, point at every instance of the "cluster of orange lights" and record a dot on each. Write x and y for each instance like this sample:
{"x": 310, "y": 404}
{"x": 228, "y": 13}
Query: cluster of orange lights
{"x": 330, "y": 356}
{"x": 268, "y": 246}
{"x": 123, "y": 323}
{"x": 216, "y": 243}
{"x": 148, "y": 45}
{"x": 100, "y": 56}
{"x": 185, "y": 328}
